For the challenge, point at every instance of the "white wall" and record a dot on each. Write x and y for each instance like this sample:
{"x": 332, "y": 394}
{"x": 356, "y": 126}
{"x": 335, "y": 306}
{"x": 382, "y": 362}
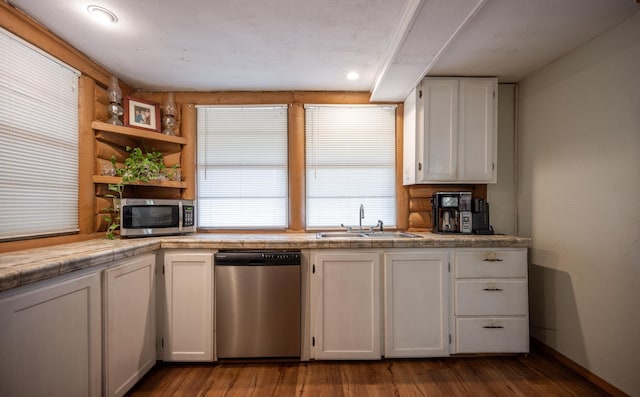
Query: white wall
{"x": 501, "y": 195}
{"x": 579, "y": 200}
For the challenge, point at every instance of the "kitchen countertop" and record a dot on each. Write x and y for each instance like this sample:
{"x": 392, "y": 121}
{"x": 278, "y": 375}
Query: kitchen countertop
{"x": 20, "y": 268}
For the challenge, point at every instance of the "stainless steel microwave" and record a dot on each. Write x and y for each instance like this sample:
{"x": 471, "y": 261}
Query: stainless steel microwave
{"x": 148, "y": 217}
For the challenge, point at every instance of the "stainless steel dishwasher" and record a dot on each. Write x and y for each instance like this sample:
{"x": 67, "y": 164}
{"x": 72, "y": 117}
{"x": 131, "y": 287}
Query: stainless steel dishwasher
{"x": 257, "y": 304}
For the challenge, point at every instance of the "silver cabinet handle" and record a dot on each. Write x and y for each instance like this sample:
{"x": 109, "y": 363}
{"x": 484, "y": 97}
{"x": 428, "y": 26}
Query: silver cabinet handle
{"x": 492, "y": 289}
{"x": 492, "y": 257}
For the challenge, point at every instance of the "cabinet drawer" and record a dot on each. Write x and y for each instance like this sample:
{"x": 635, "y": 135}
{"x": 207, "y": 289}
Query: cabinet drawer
{"x": 492, "y": 335}
{"x": 491, "y": 264}
{"x": 491, "y": 297}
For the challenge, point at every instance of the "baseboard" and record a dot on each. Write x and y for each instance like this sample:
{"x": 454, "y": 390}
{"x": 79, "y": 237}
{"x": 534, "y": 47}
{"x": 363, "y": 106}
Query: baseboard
{"x": 577, "y": 368}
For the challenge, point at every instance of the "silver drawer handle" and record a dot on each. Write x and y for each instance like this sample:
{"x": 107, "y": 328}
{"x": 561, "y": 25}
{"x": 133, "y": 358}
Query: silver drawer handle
{"x": 493, "y": 326}
{"x": 492, "y": 289}
{"x": 492, "y": 259}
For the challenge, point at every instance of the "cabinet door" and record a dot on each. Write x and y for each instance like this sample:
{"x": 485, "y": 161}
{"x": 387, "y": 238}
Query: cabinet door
{"x": 477, "y": 133}
{"x": 50, "y": 344}
{"x": 129, "y": 323}
{"x": 416, "y": 304}
{"x": 346, "y": 303}
{"x": 411, "y": 122}
{"x": 438, "y": 144}
{"x": 188, "y": 306}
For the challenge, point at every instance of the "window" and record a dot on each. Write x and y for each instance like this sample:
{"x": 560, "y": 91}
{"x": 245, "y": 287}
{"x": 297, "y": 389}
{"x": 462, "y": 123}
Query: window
{"x": 38, "y": 142}
{"x": 350, "y": 160}
{"x": 242, "y": 167}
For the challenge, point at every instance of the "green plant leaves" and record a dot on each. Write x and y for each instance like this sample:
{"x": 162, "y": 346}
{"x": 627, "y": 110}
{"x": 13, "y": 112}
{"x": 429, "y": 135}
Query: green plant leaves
{"x": 138, "y": 167}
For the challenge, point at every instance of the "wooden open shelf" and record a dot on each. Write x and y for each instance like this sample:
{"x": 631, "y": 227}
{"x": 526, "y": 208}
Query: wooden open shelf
{"x": 116, "y": 179}
{"x": 137, "y": 133}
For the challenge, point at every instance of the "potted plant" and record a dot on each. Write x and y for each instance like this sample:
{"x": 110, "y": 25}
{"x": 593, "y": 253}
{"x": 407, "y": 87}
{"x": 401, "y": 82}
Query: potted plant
{"x": 138, "y": 167}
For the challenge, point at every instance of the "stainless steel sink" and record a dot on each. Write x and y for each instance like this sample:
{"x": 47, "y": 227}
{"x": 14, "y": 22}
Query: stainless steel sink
{"x": 392, "y": 235}
{"x": 340, "y": 235}
{"x": 366, "y": 235}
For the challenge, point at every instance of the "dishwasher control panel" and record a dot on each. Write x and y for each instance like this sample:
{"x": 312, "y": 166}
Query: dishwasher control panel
{"x": 262, "y": 257}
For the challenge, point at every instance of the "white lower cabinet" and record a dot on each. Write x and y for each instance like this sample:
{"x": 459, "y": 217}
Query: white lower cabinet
{"x": 188, "y": 306}
{"x": 129, "y": 323}
{"x": 421, "y": 303}
{"x": 491, "y": 301}
{"x": 346, "y": 304}
{"x": 53, "y": 341}
{"x": 50, "y": 344}
{"x": 416, "y": 303}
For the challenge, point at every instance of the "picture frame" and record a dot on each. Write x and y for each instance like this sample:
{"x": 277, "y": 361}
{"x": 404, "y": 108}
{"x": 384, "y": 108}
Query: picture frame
{"x": 140, "y": 113}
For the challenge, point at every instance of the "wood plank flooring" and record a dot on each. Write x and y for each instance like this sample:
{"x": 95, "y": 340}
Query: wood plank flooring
{"x": 533, "y": 375}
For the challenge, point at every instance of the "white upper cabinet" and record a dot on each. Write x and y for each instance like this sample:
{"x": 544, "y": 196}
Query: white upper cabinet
{"x": 450, "y": 131}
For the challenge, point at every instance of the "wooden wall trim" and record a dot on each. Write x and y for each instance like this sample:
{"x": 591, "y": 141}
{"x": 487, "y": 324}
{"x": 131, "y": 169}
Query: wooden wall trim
{"x": 331, "y": 97}
{"x": 402, "y": 192}
{"x": 31, "y": 31}
{"x": 297, "y": 186}
{"x": 86, "y": 154}
{"x": 260, "y": 97}
{"x": 188, "y": 129}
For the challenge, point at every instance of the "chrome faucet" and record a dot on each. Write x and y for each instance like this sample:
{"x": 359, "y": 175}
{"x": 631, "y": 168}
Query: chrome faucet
{"x": 360, "y": 229}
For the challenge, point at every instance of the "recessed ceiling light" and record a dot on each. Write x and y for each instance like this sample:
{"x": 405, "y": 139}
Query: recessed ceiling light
{"x": 102, "y": 14}
{"x": 353, "y": 75}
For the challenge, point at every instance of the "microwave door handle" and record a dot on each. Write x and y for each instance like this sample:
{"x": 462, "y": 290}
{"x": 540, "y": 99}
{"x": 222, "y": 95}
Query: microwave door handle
{"x": 180, "y": 216}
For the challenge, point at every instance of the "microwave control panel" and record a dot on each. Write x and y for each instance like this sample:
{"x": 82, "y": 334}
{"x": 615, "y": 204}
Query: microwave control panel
{"x": 187, "y": 215}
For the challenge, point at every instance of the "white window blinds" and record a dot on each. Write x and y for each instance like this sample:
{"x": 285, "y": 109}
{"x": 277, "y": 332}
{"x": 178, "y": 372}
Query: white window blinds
{"x": 242, "y": 167}
{"x": 350, "y": 160}
{"x": 38, "y": 142}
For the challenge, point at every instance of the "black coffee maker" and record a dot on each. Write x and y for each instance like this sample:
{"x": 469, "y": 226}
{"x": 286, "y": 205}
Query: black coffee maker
{"x": 480, "y": 217}
{"x": 451, "y": 212}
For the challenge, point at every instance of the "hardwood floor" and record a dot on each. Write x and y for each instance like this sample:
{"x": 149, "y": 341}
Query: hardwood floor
{"x": 534, "y": 375}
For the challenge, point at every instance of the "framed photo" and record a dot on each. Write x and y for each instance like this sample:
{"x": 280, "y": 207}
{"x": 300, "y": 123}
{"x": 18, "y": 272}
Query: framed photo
{"x": 141, "y": 114}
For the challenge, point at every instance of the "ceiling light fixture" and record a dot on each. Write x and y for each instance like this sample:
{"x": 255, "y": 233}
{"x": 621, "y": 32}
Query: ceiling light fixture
{"x": 102, "y": 14}
{"x": 353, "y": 75}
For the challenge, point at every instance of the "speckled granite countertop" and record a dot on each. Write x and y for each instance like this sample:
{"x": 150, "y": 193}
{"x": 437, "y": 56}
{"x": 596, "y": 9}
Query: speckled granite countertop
{"x": 25, "y": 267}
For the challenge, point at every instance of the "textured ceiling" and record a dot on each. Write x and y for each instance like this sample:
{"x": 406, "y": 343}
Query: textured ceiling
{"x": 196, "y": 45}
